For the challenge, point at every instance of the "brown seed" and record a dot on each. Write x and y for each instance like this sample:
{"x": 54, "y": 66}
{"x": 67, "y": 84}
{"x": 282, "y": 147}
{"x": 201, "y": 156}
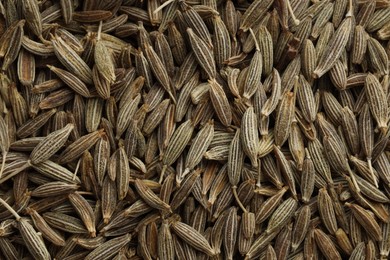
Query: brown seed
{"x": 286, "y": 169}
{"x": 78, "y": 147}
{"x": 110, "y": 248}
{"x": 85, "y": 211}
{"x": 178, "y": 142}
{"x": 281, "y": 215}
{"x": 284, "y": 118}
{"x": 165, "y": 242}
{"x": 327, "y": 214}
{"x": 71, "y": 80}
{"x": 184, "y": 190}
{"x": 253, "y": 13}
{"x": 49, "y": 233}
{"x": 13, "y": 45}
{"x": 269, "y": 206}
{"x": 250, "y": 135}
{"x": 253, "y": 75}
{"x": 326, "y": 245}
{"x": 378, "y": 56}
{"x": 159, "y": 71}
{"x": 150, "y": 198}
{"x": 230, "y": 234}
{"x": 71, "y": 60}
{"x": 377, "y": 101}
{"x": 199, "y": 146}
{"x": 366, "y": 220}
{"x": 220, "y": 103}
{"x": 300, "y": 227}
{"x": 50, "y": 144}
{"x": 32, "y": 240}
{"x": 222, "y": 43}
{"x": 192, "y": 237}
{"x": 203, "y": 54}
{"x": 333, "y": 50}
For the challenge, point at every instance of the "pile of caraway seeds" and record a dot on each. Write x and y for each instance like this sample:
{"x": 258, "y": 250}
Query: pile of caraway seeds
{"x": 194, "y": 129}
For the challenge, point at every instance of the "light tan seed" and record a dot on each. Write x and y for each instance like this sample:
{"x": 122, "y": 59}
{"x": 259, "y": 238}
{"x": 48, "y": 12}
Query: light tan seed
{"x": 155, "y": 117}
{"x": 253, "y": 76}
{"x": 366, "y": 132}
{"x": 104, "y": 62}
{"x": 178, "y": 142}
{"x": 55, "y": 171}
{"x": 32, "y": 240}
{"x": 343, "y": 241}
{"x": 12, "y": 47}
{"x": 309, "y": 59}
{"x": 296, "y": 145}
{"x": 100, "y": 157}
{"x": 235, "y": 159}
{"x": 125, "y": 115}
{"x": 93, "y": 114}
{"x": 260, "y": 243}
{"x": 359, "y": 46}
{"x": 71, "y": 80}
{"x": 186, "y": 94}
{"x": 378, "y": 19}
{"x": 4, "y": 143}
{"x": 53, "y": 189}
{"x": 33, "y": 125}
{"x": 26, "y": 68}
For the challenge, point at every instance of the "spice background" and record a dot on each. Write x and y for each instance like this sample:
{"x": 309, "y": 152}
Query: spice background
{"x": 197, "y": 129}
